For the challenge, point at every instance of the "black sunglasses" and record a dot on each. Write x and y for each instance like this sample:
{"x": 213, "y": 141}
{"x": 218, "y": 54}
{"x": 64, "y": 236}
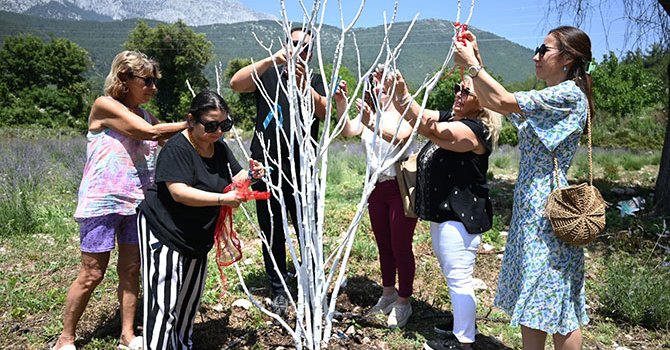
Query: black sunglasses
{"x": 463, "y": 90}
{"x": 542, "y": 49}
{"x": 148, "y": 81}
{"x": 211, "y": 127}
{"x": 305, "y": 46}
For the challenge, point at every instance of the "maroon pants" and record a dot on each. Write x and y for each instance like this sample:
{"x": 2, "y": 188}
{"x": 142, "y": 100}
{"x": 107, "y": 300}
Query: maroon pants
{"x": 393, "y": 232}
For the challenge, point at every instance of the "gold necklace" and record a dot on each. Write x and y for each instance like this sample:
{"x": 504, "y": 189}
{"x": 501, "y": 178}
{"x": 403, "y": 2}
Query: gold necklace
{"x": 197, "y": 149}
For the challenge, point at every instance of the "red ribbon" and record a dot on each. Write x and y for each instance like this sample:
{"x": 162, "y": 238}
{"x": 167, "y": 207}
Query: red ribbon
{"x": 227, "y": 244}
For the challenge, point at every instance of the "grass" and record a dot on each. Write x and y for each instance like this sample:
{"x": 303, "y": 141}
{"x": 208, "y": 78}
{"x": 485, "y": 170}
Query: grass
{"x": 39, "y": 256}
{"x": 636, "y": 292}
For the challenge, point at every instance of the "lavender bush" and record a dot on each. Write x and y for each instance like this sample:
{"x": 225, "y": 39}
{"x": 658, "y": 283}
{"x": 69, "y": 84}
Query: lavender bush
{"x": 35, "y": 170}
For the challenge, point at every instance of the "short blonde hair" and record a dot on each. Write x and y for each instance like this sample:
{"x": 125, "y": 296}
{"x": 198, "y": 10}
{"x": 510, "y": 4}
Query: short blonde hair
{"x": 124, "y": 65}
{"x": 493, "y": 122}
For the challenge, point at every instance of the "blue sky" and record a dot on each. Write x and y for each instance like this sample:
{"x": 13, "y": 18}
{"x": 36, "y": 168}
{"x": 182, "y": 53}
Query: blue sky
{"x": 521, "y": 21}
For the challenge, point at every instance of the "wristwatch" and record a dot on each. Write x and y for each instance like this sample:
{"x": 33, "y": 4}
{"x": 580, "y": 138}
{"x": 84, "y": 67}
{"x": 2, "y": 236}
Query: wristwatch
{"x": 473, "y": 71}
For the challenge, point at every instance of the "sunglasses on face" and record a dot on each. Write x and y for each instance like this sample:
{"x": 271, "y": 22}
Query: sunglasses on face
{"x": 305, "y": 45}
{"x": 463, "y": 90}
{"x": 542, "y": 49}
{"x": 148, "y": 81}
{"x": 211, "y": 127}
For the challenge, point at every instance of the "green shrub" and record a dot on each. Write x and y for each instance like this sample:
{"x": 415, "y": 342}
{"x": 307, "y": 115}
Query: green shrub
{"x": 636, "y": 293}
{"x": 493, "y": 236}
{"x": 502, "y": 162}
{"x": 655, "y": 158}
{"x": 508, "y": 134}
{"x": 633, "y": 161}
{"x": 641, "y": 130}
{"x": 17, "y": 213}
{"x": 609, "y": 163}
{"x": 580, "y": 166}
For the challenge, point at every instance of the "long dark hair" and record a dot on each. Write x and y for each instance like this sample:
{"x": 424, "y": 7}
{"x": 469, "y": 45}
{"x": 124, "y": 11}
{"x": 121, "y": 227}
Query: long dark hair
{"x": 576, "y": 44}
{"x": 206, "y": 101}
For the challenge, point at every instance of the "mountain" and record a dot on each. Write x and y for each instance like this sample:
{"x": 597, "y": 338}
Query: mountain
{"x": 64, "y": 10}
{"x": 422, "y": 54}
{"x": 193, "y": 12}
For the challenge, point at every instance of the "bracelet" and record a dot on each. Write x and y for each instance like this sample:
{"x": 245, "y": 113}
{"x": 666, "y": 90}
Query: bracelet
{"x": 250, "y": 175}
{"x": 218, "y": 199}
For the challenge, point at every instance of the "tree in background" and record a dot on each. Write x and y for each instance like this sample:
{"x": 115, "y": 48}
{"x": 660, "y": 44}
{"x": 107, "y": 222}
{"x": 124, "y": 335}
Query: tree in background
{"x": 42, "y": 83}
{"x": 624, "y": 86}
{"x": 646, "y": 20}
{"x": 242, "y": 106}
{"x": 442, "y": 97}
{"x": 181, "y": 54}
{"x": 627, "y": 93}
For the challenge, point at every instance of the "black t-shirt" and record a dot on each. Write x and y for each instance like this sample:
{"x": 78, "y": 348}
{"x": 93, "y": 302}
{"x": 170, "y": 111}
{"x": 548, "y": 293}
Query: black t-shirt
{"x": 188, "y": 230}
{"x": 452, "y": 185}
{"x": 266, "y": 123}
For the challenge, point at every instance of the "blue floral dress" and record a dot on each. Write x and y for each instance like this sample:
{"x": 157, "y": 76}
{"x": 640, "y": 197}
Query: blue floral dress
{"x": 541, "y": 282}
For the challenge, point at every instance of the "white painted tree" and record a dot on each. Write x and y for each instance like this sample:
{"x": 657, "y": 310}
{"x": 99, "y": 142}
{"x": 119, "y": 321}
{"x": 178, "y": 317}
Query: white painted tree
{"x": 320, "y": 273}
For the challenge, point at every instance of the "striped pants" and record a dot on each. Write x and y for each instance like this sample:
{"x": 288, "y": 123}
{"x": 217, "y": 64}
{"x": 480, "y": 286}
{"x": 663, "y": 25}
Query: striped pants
{"x": 172, "y": 286}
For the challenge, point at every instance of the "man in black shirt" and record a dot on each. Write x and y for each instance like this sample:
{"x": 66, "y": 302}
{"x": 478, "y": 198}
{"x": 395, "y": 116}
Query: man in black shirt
{"x": 266, "y": 133}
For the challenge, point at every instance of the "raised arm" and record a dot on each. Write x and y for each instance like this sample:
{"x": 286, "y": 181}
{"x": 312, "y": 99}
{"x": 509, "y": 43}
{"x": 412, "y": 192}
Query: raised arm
{"x": 388, "y": 123}
{"x": 402, "y": 101}
{"x": 243, "y": 81}
{"x": 456, "y": 136}
{"x": 319, "y": 104}
{"x": 109, "y": 113}
{"x": 351, "y": 127}
{"x": 491, "y": 94}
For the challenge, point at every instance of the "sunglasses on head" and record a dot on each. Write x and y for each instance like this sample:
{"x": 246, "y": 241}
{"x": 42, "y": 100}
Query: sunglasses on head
{"x": 148, "y": 81}
{"x": 211, "y": 127}
{"x": 463, "y": 90}
{"x": 542, "y": 49}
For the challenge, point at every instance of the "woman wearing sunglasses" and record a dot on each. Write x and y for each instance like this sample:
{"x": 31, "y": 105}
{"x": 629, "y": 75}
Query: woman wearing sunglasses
{"x": 176, "y": 221}
{"x": 541, "y": 283}
{"x": 120, "y": 158}
{"x": 393, "y": 231}
{"x": 452, "y": 193}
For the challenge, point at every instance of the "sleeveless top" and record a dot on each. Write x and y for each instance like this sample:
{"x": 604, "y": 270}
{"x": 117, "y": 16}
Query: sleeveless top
{"x": 117, "y": 172}
{"x": 376, "y": 148}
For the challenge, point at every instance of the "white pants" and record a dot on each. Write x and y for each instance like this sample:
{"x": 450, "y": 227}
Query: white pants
{"x": 456, "y": 250}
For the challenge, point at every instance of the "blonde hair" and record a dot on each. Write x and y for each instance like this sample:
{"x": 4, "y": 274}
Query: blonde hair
{"x": 124, "y": 65}
{"x": 493, "y": 122}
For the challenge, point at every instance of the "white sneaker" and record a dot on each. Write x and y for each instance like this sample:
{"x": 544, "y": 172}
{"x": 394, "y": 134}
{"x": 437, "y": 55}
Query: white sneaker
{"x": 399, "y": 315}
{"x": 384, "y": 305}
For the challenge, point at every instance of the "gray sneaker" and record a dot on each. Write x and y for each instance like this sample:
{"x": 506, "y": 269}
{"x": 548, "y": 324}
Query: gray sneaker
{"x": 384, "y": 305}
{"x": 399, "y": 315}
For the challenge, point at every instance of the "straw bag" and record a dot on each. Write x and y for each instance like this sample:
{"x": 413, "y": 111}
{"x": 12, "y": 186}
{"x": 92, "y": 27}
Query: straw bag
{"x": 577, "y": 213}
{"x": 405, "y": 170}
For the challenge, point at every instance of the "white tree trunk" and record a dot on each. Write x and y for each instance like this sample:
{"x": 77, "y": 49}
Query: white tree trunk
{"x": 320, "y": 273}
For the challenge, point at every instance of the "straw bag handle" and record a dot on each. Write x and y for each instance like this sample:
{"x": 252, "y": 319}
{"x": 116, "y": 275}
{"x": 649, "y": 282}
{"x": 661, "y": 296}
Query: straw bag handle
{"x": 588, "y": 127}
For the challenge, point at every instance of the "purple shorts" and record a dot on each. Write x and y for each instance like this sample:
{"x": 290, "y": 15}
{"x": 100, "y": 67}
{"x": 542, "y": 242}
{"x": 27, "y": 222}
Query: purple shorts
{"x": 96, "y": 235}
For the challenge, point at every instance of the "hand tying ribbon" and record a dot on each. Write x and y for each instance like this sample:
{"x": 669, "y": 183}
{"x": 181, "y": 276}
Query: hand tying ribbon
{"x": 227, "y": 244}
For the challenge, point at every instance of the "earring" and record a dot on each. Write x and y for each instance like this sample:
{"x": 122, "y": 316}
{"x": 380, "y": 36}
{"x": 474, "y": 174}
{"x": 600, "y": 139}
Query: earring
{"x": 565, "y": 68}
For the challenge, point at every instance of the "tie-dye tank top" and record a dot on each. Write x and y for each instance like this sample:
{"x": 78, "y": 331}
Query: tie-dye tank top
{"x": 117, "y": 172}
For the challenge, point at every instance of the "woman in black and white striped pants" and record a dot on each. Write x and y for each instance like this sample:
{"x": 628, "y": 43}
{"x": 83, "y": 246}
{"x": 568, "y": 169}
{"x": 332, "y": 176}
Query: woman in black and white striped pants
{"x": 177, "y": 219}
{"x": 173, "y": 284}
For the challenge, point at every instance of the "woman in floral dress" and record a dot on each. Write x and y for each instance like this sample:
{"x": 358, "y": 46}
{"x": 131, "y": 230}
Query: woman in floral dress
{"x": 541, "y": 284}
